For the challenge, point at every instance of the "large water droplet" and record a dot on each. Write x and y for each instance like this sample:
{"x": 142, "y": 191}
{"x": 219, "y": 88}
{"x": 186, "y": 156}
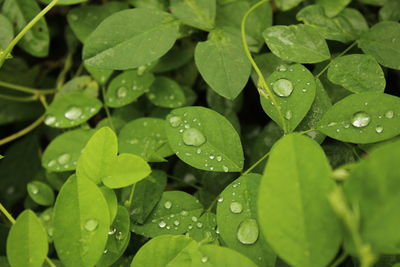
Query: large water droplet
{"x": 162, "y": 224}
{"x": 73, "y": 113}
{"x": 91, "y": 225}
{"x": 122, "y": 92}
{"x": 193, "y": 137}
{"x": 236, "y": 207}
{"x": 168, "y": 204}
{"x": 50, "y": 120}
{"x": 33, "y": 189}
{"x": 283, "y": 87}
{"x": 248, "y": 232}
{"x": 64, "y": 159}
{"x": 360, "y": 119}
{"x": 175, "y": 121}
{"x": 389, "y": 114}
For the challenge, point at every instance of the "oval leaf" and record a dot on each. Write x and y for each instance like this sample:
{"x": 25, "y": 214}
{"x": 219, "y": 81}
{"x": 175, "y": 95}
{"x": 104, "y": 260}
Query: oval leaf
{"x": 41, "y": 193}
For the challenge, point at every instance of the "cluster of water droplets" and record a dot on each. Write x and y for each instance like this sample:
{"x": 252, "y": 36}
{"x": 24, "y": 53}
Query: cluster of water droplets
{"x": 62, "y": 162}
{"x": 74, "y": 114}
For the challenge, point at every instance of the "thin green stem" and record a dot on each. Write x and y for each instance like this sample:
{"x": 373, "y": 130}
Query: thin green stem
{"x": 23, "y": 132}
{"x": 67, "y": 66}
{"x": 307, "y": 131}
{"x": 263, "y": 87}
{"x": 21, "y": 34}
{"x": 257, "y": 163}
{"x": 341, "y": 54}
{"x": 103, "y": 91}
{"x": 130, "y": 200}
{"x": 27, "y": 89}
{"x": 7, "y": 214}
{"x": 212, "y": 204}
{"x": 50, "y": 263}
{"x": 184, "y": 182}
{"x": 19, "y": 98}
{"x": 43, "y": 100}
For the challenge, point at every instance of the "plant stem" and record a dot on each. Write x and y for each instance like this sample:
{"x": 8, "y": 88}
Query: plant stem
{"x": 26, "y": 89}
{"x": 19, "y": 98}
{"x": 184, "y": 182}
{"x": 262, "y": 84}
{"x": 341, "y": 54}
{"x": 64, "y": 71}
{"x": 22, "y": 132}
{"x": 103, "y": 91}
{"x": 257, "y": 163}
{"x": 21, "y": 34}
{"x": 212, "y": 204}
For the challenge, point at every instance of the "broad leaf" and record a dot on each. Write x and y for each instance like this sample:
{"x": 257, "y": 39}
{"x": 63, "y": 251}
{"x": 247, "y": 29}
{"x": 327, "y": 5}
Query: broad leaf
{"x": 41, "y": 193}
{"x": 196, "y": 13}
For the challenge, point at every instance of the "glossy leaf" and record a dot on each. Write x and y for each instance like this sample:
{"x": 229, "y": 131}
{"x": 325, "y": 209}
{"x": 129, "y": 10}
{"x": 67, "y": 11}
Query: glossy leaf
{"x": 208, "y": 229}
{"x": 27, "y": 241}
{"x": 222, "y": 63}
{"x": 112, "y": 201}
{"x": 82, "y": 84}
{"x": 297, "y": 43}
{"x": 165, "y": 92}
{"x": 236, "y": 206}
{"x": 293, "y": 208}
{"x": 147, "y": 33}
{"x": 357, "y": 73}
{"x": 196, "y": 13}
{"x": 41, "y": 193}
{"x": 333, "y": 8}
{"x": 80, "y": 227}
{"x": 6, "y": 32}
{"x": 71, "y": 110}
{"x": 363, "y": 118}
{"x": 204, "y": 139}
{"x": 173, "y": 214}
{"x": 383, "y": 43}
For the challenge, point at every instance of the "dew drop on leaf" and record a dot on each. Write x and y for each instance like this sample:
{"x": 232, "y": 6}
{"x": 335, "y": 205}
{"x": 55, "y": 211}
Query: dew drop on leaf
{"x": 73, "y": 113}
{"x": 379, "y": 129}
{"x": 50, "y": 119}
{"x": 204, "y": 259}
{"x": 122, "y": 92}
{"x": 288, "y": 115}
{"x": 248, "y": 232}
{"x": 91, "y": 225}
{"x": 226, "y": 169}
{"x": 236, "y": 207}
{"x": 194, "y": 218}
{"x": 175, "y": 121}
{"x": 120, "y": 236}
{"x": 162, "y": 224}
{"x": 389, "y": 114}
{"x": 193, "y": 137}
{"x": 282, "y": 87}
{"x": 360, "y": 119}
{"x": 33, "y": 189}
{"x": 168, "y": 204}
{"x": 221, "y": 199}
{"x": 64, "y": 159}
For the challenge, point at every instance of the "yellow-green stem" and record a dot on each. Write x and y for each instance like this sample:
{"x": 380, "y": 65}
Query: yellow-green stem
{"x": 23, "y": 132}
{"x": 26, "y": 89}
{"x": 257, "y": 163}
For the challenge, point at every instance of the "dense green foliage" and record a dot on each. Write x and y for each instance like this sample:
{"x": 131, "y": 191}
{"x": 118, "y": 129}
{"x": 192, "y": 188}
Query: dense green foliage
{"x": 153, "y": 133}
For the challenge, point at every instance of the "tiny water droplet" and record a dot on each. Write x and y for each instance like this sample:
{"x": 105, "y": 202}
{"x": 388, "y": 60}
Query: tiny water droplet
{"x": 33, "y": 188}
{"x": 221, "y": 199}
{"x": 193, "y": 137}
{"x": 212, "y": 157}
{"x": 64, "y": 159}
{"x": 283, "y": 87}
{"x": 248, "y": 232}
{"x": 389, "y": 114}
{"x": 379, "y": 129}
{"x": 225, "y": 169}
{"x": 184, "y": 213}
{"x": 73, "y": 113}
{"x": 288, "y": 115}
{"x": 175, "y": 121}
{"x": 120, "y": 236}
{"x": 198, "y": 151}
{"x": 112, "y": 231}
{"x": 204, "y": 259}
{"x": 360, "y": 119}
{"x": 162, "y": 224}
{"x": 199, "y": 225}
{"x": 168, "y": 204}
{"x": 219, "y": 158}
{"x": 122, "y": 92}
{"x": 176, "y": 222}
{"x": 91, "y": 225}
{"x": 236, "y": 207}
{"x": 281, "y": 68}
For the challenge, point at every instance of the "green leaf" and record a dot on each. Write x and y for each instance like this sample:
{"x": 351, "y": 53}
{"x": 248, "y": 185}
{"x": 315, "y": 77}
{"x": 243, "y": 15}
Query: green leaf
{"x": 373, "y": 187}
{"x": 294, "y": 89}
{"x": 6, "y": 32}
{"x": 46, "y": 219}
{"x": 373, "y": 2}
{"x": 222, "y": 63}
{"x": 363, "y": 118}
{"x": 175, "y": 213}
{"x": 147, "y": 33}
{"x": 204, "y": 139}
{"x": 196, "y": 13}
{"x": 112, "y": 201}
{"x": 383, "y": 43}
{"x": 293, "y": 208}
{"x": 83, "y": 84}
{"x": 177, "y": 57}
{"x": 63, "y": 152}
{"x": 71, "y": 110}
{"x": 165, "y": 92}
{"x": 332, "y": 8}
{"x": 127, "y": 87}
{"x": 347, "y": 26}
{"x": 98, "y": 155}
{"x": 83, "y": 20}
{"x": 20, "y": 13}
{"x": 126, "y": 169}
{"x": 146, "y": 195}
{"x": 390, "y": 11}
{"x": 297, "y": 43}
{"x": 41, "y": 193}
{"x": 237, "y": 210}
{"x": 145, "y": 137}
{"x": 285, "y": 5}
{"x": 208, "y": 223}
{"x": 118, "y": 238}
{"x": 357, "y": 73}
{"x": 100, "y": 75}
{"x": 81, "y": 222}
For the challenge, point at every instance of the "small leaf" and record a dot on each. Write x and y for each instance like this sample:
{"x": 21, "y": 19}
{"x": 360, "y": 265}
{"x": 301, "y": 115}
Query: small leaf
{"x": 196, "y": 13}
{"x": 204, "y": 139}
{"x": 41, "y": 193}
{"x": 222, "y": 63}
{"x": 357, "y": 73}
{"x": 81, "y": 222}
{"x": 298, "y": 174}
{"x": 236, "y": 207}
{"x": 174, "y": 214}
{"x": 98, "y": 155}
{"x": 383, "y": 43}
{"x": 127, "y": 87}
{"x": 363, "y": 118}
{"x": 167, "y": 93}
{"x": 71, "y": 110}
{"x": 145, "y": 137}
{"x": 147, "y": 33}
{"x": 297, "y": 43}
{"x": 126, "y": 169}
{"x": 294, "y": 89}
{"x": 27, "y": 241}
{"x": 6, "y": 32}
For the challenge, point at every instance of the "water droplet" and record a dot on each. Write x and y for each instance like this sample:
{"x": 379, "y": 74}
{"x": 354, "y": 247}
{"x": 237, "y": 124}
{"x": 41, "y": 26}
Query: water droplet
{"x": 176, "y": 222}
{"x": 91, "y": 225}
{"x": 389, "y": 114}
{"x": 175, "y": 121}
{"x": 198, "y": 151}
{"x": 73, "y": 113}
{"x": 283, "y": 87}
{"x": 281, "y": 68}
{"x": 193, "y": 137}
{"x": 212, "y": 157}
{"x": 199, "y": 225}
{"x": 379, "y": 129}
{"x": 64, "y": 159}
{"x": 304, "y": 90}
{"x": 221, "y": 199}
{"x": 168, "y": 204}
{"x": 33, "y": 189}
{"x": 248, "y": 232}
{"x": 51, "y": 163}
{"x": 194, "y": 218}
{"x": 50, "y": 120}
{"x": 122, "y": 92}
{"x": 219, "y": 158}
{"x": 225, "y": 169}
{"x": 236, "y": 207}
{"x": 120, "y": 236}
{"x": 360, "y": 119}
{"x": 204, "y": 259}
{"x": 112, "y": 231}
{"x": 288, "y": 115}
{"x": 162, "y": 224}
{"x": 184, "y": 213}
